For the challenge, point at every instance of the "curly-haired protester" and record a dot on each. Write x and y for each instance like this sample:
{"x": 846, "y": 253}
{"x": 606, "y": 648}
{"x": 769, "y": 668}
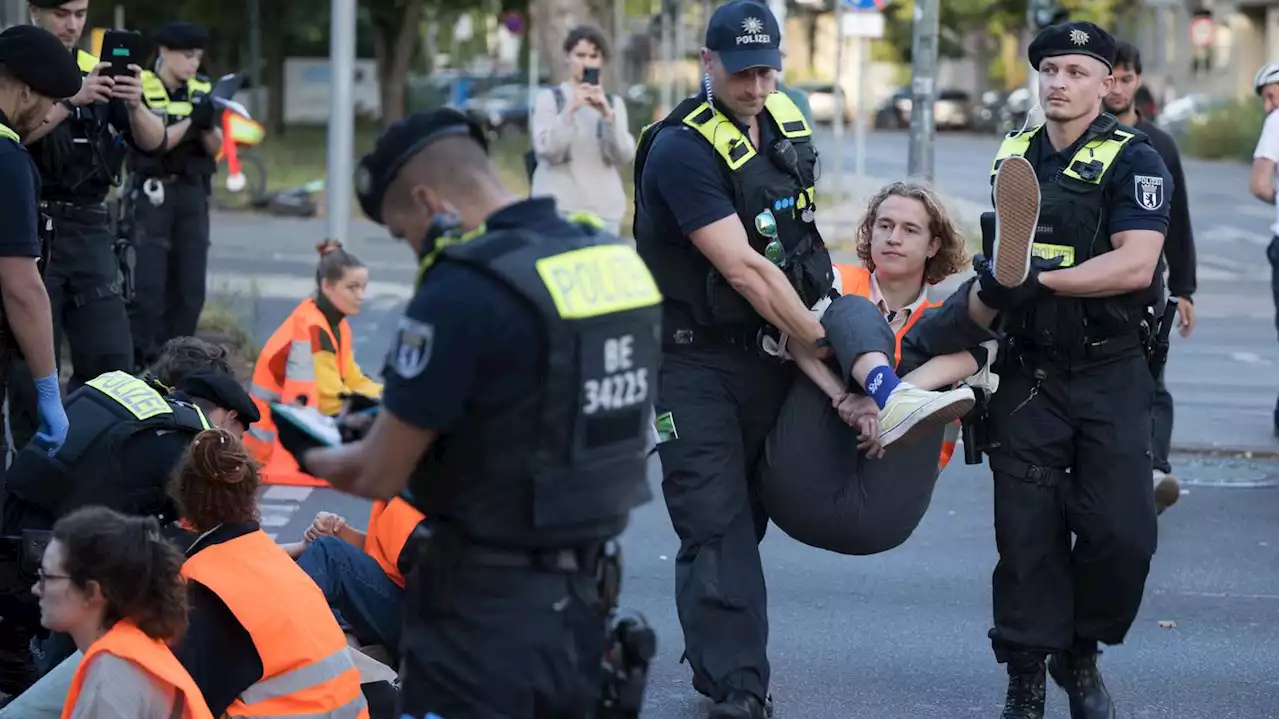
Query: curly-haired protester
{"x": 113, "y": 583}
{"x": 825, "y": 480}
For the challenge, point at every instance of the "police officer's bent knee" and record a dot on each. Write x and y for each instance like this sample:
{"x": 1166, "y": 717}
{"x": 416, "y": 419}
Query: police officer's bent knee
{"x": 79, "y": 151}
{"x": 35, "y": 72}
{"x": 1072, "y": 416}
{"x": 168, "y": 193}
{"x": 516, "y": 409}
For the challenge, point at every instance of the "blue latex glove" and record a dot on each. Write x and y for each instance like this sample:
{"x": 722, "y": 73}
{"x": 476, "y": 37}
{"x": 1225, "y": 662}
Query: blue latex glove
{"x": 53, "y": 417}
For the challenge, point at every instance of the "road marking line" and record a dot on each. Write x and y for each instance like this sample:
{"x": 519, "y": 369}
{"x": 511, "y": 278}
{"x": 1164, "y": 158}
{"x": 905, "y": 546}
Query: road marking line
{"x": 284, "y": 493}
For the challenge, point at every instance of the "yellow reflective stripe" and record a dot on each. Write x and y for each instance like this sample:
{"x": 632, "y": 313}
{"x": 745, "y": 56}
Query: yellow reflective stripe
{"x": 350, "y": 710}
{"x": 204, "y": 421}
{"x": 802, "y": 199}
{"x": 1048, "y": 252}
{"x": 7, "y": 133}
{"x": 590, "y": 219}
{"x": 86, "y": 61}
{"x": 441, "y": 243}
{"x": 140, "y": 398}
{"x": 1104, "y": 152}
{"x": 1014, "y": 145}
{"x": 787, "y": 115}
{"x": 262, "y": 393}
{"x": 194, "y": 86}
{"x": 722, "y": 133}
{"x": 300, "y": 679}
{"x": 595, "y": 281}
{"x": 262, "y": 435}
{"x": 180, "y": 108}
{"x": 300, "y": 365}
{"x": 153, "y": 90}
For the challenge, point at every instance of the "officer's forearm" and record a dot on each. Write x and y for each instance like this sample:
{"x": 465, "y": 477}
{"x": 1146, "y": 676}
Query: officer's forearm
{"x": 212, "y": 141}
{"x": 769, "y": 292}
{"x": 147, "y": 128}
{"x": 26, "y": 306}
{"x": 1128, "y": 268}
{"x": 52, "y": 120}
{"x": 817, "y": 371}
{"x": 175, "y": 134}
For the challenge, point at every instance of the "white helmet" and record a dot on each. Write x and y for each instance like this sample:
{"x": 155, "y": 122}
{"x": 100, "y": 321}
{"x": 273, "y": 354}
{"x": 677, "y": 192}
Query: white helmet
{"x": 1268, "y": 75}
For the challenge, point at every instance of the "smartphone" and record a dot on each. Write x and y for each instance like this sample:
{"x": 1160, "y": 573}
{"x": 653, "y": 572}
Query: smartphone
{"x": 591, "y": 75}
{"x": 121, "y": 48}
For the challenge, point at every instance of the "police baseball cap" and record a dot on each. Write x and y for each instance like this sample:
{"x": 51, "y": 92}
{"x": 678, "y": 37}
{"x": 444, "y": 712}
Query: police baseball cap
{"x": 745, "y": 34}
{"x": 224, "y": 391}
{"x": 405, "y": 138}
{"x": 38, "y": 58}
{"x": 181, "y": 35}
{"x": 1073, "y": 38}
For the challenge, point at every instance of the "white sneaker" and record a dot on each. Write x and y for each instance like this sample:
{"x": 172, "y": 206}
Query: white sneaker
{"x": 912, "y": 411}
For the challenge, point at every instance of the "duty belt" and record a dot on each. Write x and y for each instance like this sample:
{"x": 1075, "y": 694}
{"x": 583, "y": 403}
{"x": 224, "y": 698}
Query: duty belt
{"x": 1086, "y": 352}
{"x": 694, "y": 337}
{"x": 463, "y": 552}
{"x": 87, "y": 214}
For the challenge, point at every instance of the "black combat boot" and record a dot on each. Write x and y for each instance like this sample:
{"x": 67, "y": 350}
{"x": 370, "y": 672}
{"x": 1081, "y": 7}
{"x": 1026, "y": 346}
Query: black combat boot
{"x": 1076, "y": 671}
{"x": 741, "y": 705}
{"x": 1025, "y": 699}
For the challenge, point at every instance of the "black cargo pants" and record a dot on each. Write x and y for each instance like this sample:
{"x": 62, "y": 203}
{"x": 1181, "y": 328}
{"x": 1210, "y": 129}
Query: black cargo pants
{"x": 1074, "y": 459}
{"x": 723, "y": 402}
{"x": 499, "y": 642}
{"x": 83, "y": 281}
{"x": 172, "y": 248}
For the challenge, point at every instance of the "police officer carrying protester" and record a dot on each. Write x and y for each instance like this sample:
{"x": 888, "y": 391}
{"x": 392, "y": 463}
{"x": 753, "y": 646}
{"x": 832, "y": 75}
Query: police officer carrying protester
{"x": 725, "y": 221}
{"x": 34, "y": 74}
{"x": 169, "y": 193}
{"x": 80, "y": 151}
{"x": 517, "y": 411}
{"x": 1179, "y": 254}
{"x": 1081, "y": 223}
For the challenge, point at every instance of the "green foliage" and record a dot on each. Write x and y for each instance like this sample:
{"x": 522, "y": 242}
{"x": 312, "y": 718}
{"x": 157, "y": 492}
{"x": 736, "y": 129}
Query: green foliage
{"x": 1228, "y": 132}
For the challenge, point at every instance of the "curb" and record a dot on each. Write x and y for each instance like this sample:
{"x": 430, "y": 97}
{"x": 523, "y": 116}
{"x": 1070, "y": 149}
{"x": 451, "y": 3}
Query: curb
{"x": 1223, "y": 451}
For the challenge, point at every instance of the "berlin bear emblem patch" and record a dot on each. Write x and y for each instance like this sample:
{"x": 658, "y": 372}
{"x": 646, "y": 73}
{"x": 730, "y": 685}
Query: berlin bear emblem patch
{"x": 412, "y": 350}
{"x": 1149, "y": 191}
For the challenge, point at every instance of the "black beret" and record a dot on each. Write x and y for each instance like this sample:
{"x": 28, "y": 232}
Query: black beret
{"x": 46, "y": 4}
{"x": 181, "y": 35}
{"x": 224, "y": 391}
{"x": 1073, "y": 38}
{"x": 38, "y": 58}
{"x": 377, "y": 170}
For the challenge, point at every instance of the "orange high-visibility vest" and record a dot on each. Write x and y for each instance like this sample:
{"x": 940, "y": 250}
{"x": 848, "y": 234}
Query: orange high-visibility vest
{"x": 286, "y": 371}
{"x": 390, "y": 524}
{"x": 306, "y": 668}
{"x": 856, "y": 280}
{"x": 127, "y": 641}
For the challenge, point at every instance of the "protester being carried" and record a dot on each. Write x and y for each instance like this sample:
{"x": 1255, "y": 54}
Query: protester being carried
{"x": 840, "y": 488}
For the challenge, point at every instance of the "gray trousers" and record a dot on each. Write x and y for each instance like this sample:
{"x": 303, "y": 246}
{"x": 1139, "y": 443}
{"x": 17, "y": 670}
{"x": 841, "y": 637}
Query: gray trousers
{"x": 814, "y": 483}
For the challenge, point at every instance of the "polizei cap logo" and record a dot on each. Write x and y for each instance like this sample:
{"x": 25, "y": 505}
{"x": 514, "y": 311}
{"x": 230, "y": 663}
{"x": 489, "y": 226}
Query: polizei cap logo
{"x": 755, "y": 34}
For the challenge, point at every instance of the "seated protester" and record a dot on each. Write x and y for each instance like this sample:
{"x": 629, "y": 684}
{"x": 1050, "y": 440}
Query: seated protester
{"x": 113, "y": 584}
{"x": 362, "y": 573}
{"x": 310, "y": 360}
{"x": 836, "y": 487}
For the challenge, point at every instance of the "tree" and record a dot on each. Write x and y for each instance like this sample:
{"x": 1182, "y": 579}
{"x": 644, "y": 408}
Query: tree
{"x": 551, "y": 20}
{"x": 396, "y": 25}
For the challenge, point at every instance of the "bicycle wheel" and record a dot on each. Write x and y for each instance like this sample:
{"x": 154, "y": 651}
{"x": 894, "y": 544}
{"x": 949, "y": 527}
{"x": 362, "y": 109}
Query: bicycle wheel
{"x": 253, "y": 193}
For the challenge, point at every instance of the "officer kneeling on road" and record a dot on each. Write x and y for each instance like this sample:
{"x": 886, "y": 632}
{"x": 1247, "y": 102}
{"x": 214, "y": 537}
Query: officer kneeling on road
{"x": 1080, "y": 225}
{"x": 35, "y": 72}
{"x": 517, "y": 411}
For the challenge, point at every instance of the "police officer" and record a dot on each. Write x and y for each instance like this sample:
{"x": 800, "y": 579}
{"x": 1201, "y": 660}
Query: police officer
{"x": 516, "y": 410}
{"x": 80, "y": 151}
{"x": 169, "y": 194}
{"x": 1081, "y": 224}
{"x": 34, "y": 73}
{"x": 725, "y": 220}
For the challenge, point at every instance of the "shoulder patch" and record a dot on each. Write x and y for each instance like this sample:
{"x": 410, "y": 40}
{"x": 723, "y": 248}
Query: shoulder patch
{"x": 411, "y": 352}
{"x": 1148, "y": 190}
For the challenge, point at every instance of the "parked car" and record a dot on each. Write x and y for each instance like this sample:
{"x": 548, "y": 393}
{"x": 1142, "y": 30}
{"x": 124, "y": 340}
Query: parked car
{"x": 986, "y": 112}
{"x": 1177, "y": 116}
{"x": 951, "y": 110}
{"x": 501, "y": 110}
{"x": 822, "y": 102}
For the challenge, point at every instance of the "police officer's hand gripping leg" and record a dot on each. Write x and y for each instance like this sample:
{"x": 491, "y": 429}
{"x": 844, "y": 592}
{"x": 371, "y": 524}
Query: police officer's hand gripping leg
{"x": 516, "y": 411}
{"x": 1080, "y": 225}
{"x": 725, "y": 220}
{"x": 35, "y": 72}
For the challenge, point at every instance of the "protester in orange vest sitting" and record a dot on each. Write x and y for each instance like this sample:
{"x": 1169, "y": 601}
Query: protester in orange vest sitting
{"x": 362, "y": 573}
{"x": 112, "y": 583}
{"x": 310, "y": 360}
{"x": 837, "y": 488}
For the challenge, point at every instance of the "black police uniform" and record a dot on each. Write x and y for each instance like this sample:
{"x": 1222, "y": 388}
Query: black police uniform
{"x": 172, "y": 234}
{"x": 695, "y": 167}
{"x": 541, "y": 452}
{"x": 37, "y": 58}
{"x": 1072, "y": 416}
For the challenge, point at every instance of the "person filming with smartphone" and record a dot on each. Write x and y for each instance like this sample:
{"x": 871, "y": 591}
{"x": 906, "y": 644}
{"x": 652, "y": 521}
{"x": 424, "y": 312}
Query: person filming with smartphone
{"x": 581, "y": 138}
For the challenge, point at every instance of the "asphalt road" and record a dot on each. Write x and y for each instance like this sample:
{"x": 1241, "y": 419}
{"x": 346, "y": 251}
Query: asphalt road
{"x": 903, "y": 634}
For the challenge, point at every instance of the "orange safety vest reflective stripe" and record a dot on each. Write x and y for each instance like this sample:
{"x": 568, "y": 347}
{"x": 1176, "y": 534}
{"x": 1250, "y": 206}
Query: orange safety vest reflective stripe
{"x": 127, "y": 641}
{"x": 390, "y": 524}
{"x": 306, "y": 668}
{"x": 855, "y": 280}
{"x": 284, "y": 372}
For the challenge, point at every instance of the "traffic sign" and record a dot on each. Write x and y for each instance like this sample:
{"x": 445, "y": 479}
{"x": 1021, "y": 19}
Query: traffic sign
{"x": 866, "y": 4}
{"x": 1202, "y": 31}
{"x": 866, "y": 24}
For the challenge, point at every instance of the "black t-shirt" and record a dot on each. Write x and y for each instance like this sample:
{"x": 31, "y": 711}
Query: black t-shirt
{"x": 19, "y": 202}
